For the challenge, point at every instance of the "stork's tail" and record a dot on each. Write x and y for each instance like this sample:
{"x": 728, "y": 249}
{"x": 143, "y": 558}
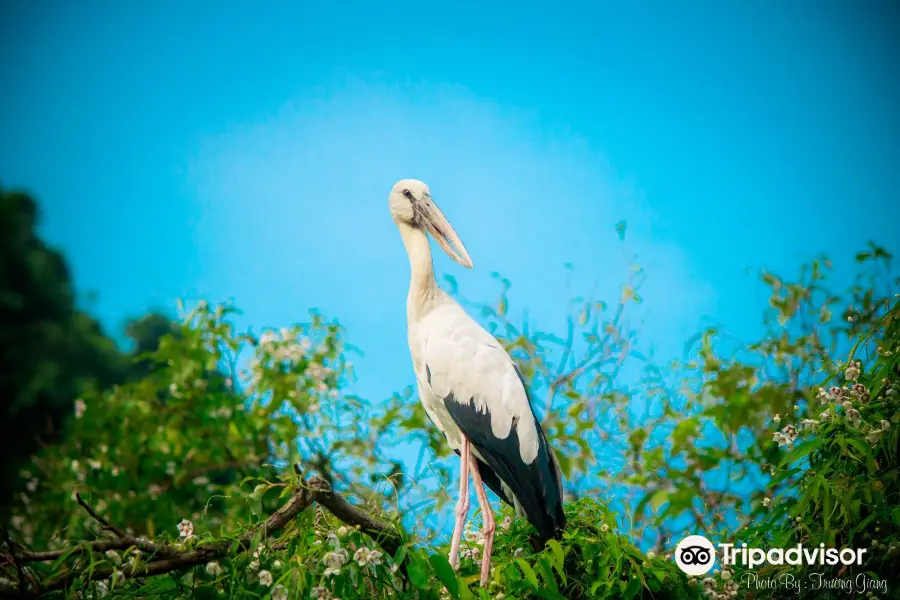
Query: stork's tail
{"x": 542, "y": 504}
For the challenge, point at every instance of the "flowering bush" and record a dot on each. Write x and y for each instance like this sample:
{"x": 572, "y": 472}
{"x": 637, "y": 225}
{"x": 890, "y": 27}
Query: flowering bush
{"x": 240, "y": 466}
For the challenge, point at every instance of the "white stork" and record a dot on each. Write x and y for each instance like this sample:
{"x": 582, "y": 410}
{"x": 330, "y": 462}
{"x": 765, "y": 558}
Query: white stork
{"x": 471, "y": 389}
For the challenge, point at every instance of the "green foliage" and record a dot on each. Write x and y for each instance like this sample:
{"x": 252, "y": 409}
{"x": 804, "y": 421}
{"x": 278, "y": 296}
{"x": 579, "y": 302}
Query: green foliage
{"x": 838, "y": 484}
{"x": 196, "y": 462}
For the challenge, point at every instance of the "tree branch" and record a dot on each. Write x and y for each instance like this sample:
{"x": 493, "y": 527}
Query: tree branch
{"x": 20, "y": 572}
{"x": 165, "y": 558}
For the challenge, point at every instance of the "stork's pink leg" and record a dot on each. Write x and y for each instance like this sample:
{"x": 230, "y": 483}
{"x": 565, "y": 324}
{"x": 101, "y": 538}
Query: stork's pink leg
{"x": 490, "y": 526}
{"x": 462, "y": 506}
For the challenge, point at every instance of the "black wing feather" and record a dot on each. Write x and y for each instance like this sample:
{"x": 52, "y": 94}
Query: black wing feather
{"x": 536, "y": 486}
{"x": 488, "y": 475}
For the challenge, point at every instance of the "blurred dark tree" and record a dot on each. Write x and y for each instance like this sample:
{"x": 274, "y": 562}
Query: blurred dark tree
{"x": 50, "y": 351}
{"x": 146, "y": 333}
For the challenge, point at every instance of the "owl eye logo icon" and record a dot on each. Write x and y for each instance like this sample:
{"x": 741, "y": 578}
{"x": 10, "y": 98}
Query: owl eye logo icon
{"x": 695, "y": 555}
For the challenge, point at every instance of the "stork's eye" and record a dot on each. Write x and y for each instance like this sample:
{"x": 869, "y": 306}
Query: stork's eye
{"x": 408, "y": 194}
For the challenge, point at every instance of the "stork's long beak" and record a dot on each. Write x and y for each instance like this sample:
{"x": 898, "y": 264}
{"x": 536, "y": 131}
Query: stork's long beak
{"x": 440, "y": 229}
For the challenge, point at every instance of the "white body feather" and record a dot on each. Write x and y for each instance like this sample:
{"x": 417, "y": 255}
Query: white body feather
{"x": 468, "y": 362}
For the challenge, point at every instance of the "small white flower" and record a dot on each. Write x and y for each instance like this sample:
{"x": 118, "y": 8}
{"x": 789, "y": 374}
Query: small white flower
{"x": 777, "y": 418}
{"x": 214, "y": 568}
{"x": 186, "y": 528}
{"x": 279, "y": 592}
{"x": 885, "y": 426}
{"x": 276, "y": 564}
{"x": 474, "y": 536}
{"x": 853, "y": 415}
{"x": 113, "y": 557}
{"x": 506, "y": 523}
{"x": 33, "y": 484}
{"x": 342, "y": 530}
{"x": 782, "y": 439}
{"x": 518, "y": 552}
{"x": 767, "y": 502}
{"x": 364, "y": 557}
{"x": 254, "y": 565}
{"x": 604, "y": 528}
{"x": 318, "y": 592}
{"x": 873, "y": 436}
{"x": 265, "y": 578}
{"x": 80, "y": 407}
{"x": 102, "y": 588}
{"x": 333, "y": 539}
{"x": 651, "y": 555}
{"x": 810, "y": 424}
{"x": 375, "y": 557}
{"x": 334, "y": 561}
{"x": 329, "y": 571}
{"x": 361, "y": 556}
{"x": 790, "y": 432}
{"x": 852, "y": 372}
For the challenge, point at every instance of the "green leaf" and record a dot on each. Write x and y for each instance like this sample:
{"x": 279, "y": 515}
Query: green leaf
{"x": 65, "y": 555}
{"x": 799, "y": 451}
{"x": 445, "y": 573}
{"x": 866, "y": 451}
{"x": 559, "y": 556}
{"x": 418, "y": 573}
{"x": 658, "y": 499}
{"x": 631, "y": 590}
{"x": 528, "y": 572}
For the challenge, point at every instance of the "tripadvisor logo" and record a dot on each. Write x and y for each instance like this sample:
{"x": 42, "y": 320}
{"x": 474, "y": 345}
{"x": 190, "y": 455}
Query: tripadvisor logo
{"x": 695, "y": 555}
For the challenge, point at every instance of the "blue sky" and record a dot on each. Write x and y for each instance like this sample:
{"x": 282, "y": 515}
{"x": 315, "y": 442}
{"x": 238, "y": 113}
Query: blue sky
{"x": 246, "y": 151}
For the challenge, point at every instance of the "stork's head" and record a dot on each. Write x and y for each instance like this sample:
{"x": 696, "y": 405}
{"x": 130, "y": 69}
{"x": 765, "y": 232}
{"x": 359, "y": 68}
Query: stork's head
{"x": 410, "y": 202}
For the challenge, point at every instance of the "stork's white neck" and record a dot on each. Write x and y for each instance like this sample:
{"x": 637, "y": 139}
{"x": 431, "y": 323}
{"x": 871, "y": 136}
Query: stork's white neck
{"x": 422, "y": 286}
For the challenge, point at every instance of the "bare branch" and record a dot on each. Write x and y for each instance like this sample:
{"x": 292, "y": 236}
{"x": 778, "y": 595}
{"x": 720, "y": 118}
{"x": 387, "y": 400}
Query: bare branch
{"x": 106, "y": 524}
{"x": 373, "y": 527}
{"x": 170, "y": 559}
{"x": 16, "y": 563}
